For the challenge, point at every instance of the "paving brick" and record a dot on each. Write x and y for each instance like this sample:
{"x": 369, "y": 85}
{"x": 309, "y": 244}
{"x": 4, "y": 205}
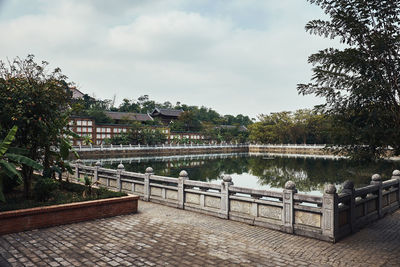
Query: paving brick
{"x": 160, "y": 235}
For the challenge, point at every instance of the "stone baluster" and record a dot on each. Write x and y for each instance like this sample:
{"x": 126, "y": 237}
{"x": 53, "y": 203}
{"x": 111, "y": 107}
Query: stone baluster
{"x": 396, "y": 175}
{"x": 376, "y": 179}
{"x": 120, "y": 169}
{"x": 348, "y": 188}
{"x": 183, "y": 176}
{"x": 226, "y": 182}
{"x": 77, "y": 171}
{"x": 146, "y": 188}
{"x": 288, "y": 206}
{"x": 330, "y": 212}
{"x": 96, "y": 171}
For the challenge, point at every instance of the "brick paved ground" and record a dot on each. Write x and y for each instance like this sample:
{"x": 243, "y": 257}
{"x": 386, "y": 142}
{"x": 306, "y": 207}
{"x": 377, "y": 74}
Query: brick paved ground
{"x": 159, "y": 236}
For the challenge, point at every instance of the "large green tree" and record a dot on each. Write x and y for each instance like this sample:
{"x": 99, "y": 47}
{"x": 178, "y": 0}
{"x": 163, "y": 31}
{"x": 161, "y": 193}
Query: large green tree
{"x": 359, "y": 82}
{"x": 37, "y": 102}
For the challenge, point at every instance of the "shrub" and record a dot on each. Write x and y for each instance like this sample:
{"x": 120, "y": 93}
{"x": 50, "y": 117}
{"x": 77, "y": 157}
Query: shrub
{"x": 44, "y": 188}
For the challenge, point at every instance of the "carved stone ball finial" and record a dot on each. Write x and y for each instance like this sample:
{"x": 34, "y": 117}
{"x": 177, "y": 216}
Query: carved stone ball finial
{"x": 348, "y": 185}
{"x": 396, "y": 173}
{"x": 330, "y": 189}
{"x": 183, "y": 174}
{"x": 376, "y": 178}
{"x": 149, "y": 170}
{"x": 98, "y": 163}
{"x": 227, "y": 179}
{"x": 290, "y": 185}
{"x": 121, "y": 166}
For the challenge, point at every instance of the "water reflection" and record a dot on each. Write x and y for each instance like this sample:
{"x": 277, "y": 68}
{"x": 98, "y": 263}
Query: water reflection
{"x": 262, "y": 171}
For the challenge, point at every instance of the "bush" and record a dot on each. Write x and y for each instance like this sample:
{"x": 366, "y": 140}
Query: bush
{"x": 44, "y": 188}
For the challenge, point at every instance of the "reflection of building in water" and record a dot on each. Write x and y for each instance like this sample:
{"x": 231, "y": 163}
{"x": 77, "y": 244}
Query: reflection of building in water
{"x": 184, "y": 164}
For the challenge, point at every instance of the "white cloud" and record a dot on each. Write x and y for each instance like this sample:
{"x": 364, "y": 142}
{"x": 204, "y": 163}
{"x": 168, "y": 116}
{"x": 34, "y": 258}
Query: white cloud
{"x": 210, "y": 53}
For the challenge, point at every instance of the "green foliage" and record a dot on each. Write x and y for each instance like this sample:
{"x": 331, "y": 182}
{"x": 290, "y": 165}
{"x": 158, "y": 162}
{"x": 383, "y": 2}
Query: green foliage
{"x": 37, "y": 102}
{"x": 187, "y": 122}
{"x": 44, "y": 188}
{"x": 139, "y": 134}
{"x": 360, "y": 82}
{"x": 64, "y": 193}
{"x": 301, "y": 127}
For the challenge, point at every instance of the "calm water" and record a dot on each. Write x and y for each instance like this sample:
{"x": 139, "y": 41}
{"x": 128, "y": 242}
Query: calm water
{"x": 260, "y": 171}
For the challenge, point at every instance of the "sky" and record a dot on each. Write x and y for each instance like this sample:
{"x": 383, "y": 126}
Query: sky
{"x": 236, "y": 57}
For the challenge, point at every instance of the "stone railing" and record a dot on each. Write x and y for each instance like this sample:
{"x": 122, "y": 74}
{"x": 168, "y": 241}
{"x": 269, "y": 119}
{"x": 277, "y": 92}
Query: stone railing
{"x": 316, "y": 146}
{"x": 156, "y": 147}
{"x": 358, "y": 207}
{"x": 328, "y": 217}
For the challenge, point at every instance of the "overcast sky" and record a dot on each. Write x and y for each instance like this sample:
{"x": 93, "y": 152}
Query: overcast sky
{"x": 236, "y": 56}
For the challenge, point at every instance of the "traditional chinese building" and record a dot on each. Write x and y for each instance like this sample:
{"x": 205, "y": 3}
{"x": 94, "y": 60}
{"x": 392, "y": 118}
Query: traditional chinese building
{"x": 166, "y": 115}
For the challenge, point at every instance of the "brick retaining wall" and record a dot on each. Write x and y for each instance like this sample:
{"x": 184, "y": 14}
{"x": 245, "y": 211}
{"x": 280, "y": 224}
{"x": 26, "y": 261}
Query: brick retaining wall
{"x": 27, "y": 219}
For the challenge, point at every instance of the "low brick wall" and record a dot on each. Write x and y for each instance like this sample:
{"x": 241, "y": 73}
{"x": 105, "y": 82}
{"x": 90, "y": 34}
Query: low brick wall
{"x": 28, "y": 219}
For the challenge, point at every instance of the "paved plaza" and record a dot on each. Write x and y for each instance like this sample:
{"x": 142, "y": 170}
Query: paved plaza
{"x": 164, "y": 236}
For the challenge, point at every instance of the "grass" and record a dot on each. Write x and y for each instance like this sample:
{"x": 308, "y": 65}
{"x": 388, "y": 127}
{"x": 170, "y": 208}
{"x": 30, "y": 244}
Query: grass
{"x": 65, "y": 192}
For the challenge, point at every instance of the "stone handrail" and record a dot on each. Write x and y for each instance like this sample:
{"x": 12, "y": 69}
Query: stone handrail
{"x": 358, "y": 207}
{"x": 193, "y": 146}
{"x": 286, "y": 211}
{"x": 155, "y": 147}
{"x": 328, "y": 217}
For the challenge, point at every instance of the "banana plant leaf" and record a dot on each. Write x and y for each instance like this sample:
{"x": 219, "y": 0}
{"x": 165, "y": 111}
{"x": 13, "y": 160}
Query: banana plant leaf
{"x": 18, "y": 150}
{"x": 5, "y": 144}
{"x": 10, "y": 170}
{"x": 24, "y": 160}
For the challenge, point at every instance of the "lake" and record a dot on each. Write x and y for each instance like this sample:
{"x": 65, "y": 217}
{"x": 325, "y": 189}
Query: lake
{"x": 260, "y": 171}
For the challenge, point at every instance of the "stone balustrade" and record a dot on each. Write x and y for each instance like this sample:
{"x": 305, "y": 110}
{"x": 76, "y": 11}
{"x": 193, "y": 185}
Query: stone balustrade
{"x": 328, "y": 217}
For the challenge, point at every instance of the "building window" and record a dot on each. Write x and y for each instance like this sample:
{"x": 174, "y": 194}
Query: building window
{"x": 89, "y": 123}
{"x": 108, "y": 130}
{"x": 124, "y": 130}
{"x": 78, "y": 122}
{"x": 89, "y": 129}
{"x": 84, "y": 123}
{"x": 79, "y": 129}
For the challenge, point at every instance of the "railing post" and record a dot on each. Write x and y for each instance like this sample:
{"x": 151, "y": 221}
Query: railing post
{"x": 77, "y": 163}
{"x": 226, "y": 182}
{"x": 183, "y": 175}
{"x": 120, "y": 169}
{"x": 146, "y": 189}
{"x": 396, "y": 175}
{"x": 376, "y": 179}
{"x": 96, "y": 171}
{"x": 348, "y": 188}
{"x": 330, "y": 212}
{"x": 288, "y": 206}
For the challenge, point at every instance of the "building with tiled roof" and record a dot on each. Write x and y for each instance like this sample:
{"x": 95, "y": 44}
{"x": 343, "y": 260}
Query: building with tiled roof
{"x": 166, "y": 115}
{"x": 128, "y": 116}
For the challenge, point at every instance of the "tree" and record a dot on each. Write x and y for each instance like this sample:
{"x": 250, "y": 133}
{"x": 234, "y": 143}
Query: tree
{"x": 360, "y": 82}
{"x": 38, "y": 103}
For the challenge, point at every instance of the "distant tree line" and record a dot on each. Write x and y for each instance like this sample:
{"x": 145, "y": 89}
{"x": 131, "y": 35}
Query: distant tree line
{"x": 303, "y": 126}
{"x": 190, "y": 120}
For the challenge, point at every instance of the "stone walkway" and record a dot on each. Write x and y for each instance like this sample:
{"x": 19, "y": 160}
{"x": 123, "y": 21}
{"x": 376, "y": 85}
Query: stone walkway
{"x": 164, "y": 236}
